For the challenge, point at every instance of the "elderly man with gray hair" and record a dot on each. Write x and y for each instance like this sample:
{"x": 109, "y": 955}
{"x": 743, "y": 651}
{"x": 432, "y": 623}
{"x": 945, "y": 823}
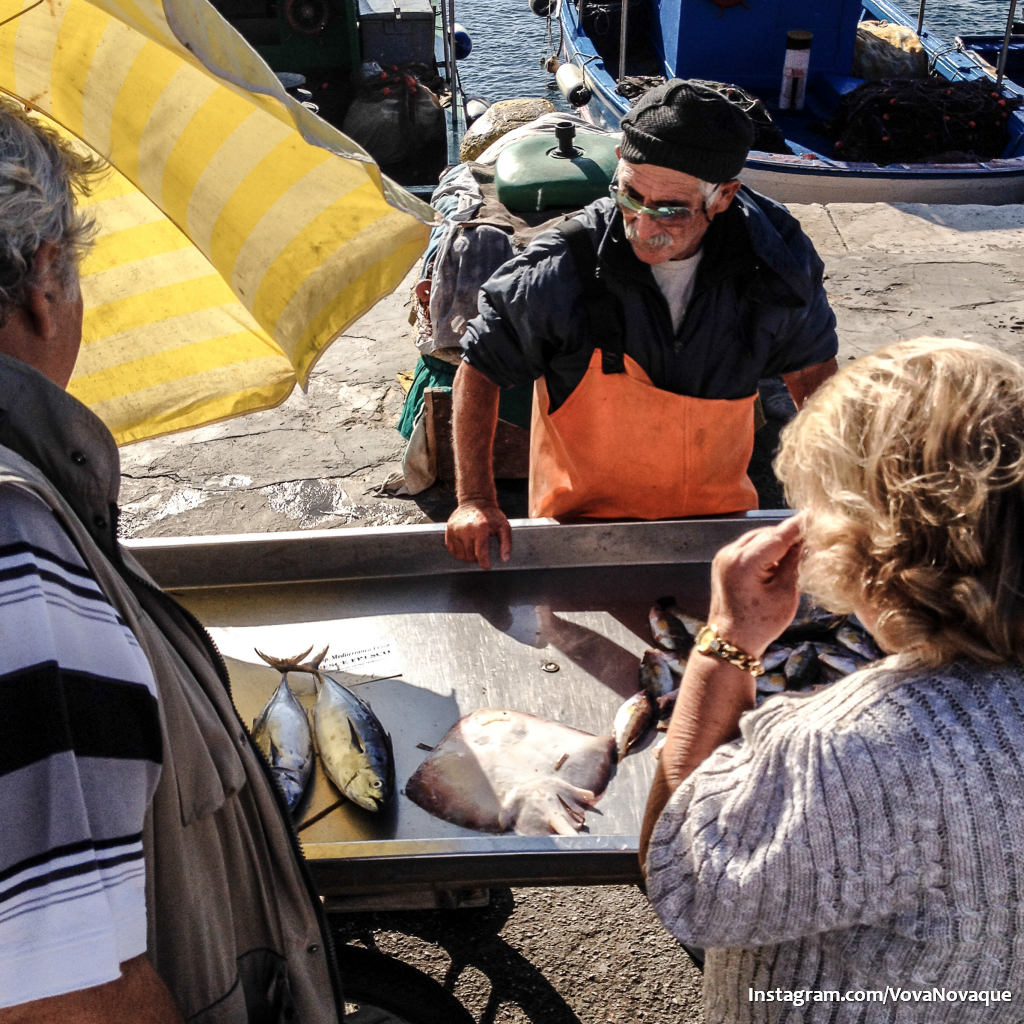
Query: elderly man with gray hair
{"x": 147, "y": 870}
{"x": 645, "y": 323}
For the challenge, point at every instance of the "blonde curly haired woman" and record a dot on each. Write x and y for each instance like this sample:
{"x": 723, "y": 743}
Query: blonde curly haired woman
{"x": 858, "y": 854}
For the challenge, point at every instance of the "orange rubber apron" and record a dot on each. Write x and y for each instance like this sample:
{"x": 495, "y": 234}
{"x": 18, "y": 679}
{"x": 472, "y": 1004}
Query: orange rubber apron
{"x": 620, "y": 448}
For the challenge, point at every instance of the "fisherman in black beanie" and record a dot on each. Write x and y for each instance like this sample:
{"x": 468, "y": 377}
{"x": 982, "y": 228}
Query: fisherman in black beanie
{"x": 683, "y": 135}
{"x": 646, "y": 323}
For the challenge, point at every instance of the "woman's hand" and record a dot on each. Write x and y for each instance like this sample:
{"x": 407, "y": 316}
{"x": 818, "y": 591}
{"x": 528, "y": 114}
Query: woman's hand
{"x": 754, "y": 592}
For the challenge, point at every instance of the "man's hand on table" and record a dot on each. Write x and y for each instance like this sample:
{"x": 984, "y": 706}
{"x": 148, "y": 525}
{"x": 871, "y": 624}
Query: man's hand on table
{"x": 469, "y": 531}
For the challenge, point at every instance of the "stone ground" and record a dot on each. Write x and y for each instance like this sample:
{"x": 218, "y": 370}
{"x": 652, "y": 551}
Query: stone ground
{"x": 564, "y": 955}
{"x": 318, "y": 460}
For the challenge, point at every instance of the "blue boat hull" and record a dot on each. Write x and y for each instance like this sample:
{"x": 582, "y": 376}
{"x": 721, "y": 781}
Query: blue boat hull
{"x": 745, "y": 47}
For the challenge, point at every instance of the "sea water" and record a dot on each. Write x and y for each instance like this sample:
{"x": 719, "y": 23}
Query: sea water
{"x": 510, "y": 42}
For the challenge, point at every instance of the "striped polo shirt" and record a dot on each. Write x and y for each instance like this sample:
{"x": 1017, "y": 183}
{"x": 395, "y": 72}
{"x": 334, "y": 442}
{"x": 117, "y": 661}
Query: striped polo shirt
{"x": 80, "y": 754}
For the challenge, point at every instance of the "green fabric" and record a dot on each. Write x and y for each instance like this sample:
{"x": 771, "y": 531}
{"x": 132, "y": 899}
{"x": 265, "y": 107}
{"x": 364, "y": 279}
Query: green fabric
{"x": 514, "y": 404}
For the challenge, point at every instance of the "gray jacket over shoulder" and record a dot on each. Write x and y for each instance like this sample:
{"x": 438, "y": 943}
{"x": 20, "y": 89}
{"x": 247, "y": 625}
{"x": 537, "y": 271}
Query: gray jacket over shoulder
{"x": 235, "y": 928}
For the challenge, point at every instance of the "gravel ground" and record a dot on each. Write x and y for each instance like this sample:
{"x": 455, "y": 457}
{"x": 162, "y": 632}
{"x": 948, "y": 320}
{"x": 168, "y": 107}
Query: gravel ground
{"x": 557, "y": 956}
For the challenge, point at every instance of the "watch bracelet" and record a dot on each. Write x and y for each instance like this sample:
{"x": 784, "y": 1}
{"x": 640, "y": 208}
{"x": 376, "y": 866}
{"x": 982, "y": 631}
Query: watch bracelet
{"x": 720, "y": 648}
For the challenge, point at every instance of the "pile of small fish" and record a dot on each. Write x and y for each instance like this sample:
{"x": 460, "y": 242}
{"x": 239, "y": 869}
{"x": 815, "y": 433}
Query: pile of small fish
{"x": 817, "y": 648}
{"x": 354, "y": 747}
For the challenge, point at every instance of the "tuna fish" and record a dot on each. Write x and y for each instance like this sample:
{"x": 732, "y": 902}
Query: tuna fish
{"x": 354, "y": 747}
{"x": 282, "y": 733}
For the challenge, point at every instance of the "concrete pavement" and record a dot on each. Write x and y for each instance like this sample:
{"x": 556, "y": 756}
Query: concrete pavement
{"x": 318, "y": 460}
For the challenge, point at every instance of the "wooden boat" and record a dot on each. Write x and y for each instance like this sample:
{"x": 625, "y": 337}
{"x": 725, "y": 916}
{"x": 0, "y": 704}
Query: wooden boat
{"x": 610, "y": 49}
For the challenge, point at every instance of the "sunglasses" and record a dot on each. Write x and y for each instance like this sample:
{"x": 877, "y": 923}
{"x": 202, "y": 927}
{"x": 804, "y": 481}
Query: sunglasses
{"x": 662, "y": 214}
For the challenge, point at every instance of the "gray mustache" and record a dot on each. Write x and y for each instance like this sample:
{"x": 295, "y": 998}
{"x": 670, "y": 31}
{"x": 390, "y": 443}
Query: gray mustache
{"x": 658, "y": 241}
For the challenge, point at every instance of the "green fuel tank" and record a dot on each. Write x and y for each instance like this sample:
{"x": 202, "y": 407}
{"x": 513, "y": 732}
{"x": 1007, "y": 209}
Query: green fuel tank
{"x": 539, "y": 173}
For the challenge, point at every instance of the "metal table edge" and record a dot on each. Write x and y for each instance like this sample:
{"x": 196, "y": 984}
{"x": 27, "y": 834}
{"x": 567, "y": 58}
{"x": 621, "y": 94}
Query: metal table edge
{"x": 388, "y": 866}
{"x": 245, "y": 559}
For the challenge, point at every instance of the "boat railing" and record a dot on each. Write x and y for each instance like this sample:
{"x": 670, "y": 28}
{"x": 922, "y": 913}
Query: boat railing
{"x": 623, "y": 37}
{"x": 1004, "y": 50}
{"x": 1001, "y": 66}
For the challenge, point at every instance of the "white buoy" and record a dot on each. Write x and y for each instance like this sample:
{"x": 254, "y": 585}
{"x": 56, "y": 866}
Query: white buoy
{"x": 474, "y": 107}
{"x": 573, "y": 85}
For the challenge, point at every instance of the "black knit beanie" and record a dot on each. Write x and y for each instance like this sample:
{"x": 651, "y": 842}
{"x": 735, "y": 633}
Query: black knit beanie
{"x": 688, "y": 127}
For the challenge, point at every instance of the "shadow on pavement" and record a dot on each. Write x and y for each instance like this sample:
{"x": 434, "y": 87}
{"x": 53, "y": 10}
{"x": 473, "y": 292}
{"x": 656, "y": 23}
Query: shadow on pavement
{"x": 470, "y": 938}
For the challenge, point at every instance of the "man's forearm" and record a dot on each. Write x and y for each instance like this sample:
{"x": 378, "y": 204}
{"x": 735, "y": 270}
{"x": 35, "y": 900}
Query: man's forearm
{"x": 137, "y": 997}
{"x": 801, "y": 384}
{"x": 474, "y": 422}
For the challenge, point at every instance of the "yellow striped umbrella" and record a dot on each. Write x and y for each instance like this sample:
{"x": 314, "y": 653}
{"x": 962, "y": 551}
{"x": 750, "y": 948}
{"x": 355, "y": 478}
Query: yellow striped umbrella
{"x": 238, "y": 233}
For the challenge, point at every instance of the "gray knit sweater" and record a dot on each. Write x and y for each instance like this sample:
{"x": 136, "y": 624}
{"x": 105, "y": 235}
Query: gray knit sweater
{"x": 858, "y": 854}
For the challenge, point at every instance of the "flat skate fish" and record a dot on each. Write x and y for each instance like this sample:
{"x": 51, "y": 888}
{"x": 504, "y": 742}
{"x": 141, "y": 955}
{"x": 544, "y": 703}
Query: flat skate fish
{"x": 497, "y": 770}
{"x": 282, "y": 733}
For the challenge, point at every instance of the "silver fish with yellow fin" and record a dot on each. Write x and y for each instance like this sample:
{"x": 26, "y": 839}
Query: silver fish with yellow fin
{"x": 671, "y": 627}
{"x": 632, "y": 721}
{"x": 354, "y": 747}
{"x": 282, "y": 733}
{"x": 659, "y": 672}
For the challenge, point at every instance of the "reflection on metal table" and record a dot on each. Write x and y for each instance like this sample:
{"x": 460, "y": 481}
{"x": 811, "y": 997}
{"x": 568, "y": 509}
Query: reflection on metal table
{"x": 558, "y": 632}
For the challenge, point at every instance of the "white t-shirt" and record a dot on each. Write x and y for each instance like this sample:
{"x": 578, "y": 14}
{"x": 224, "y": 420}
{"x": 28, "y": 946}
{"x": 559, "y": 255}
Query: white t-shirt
{"x": 675, "y": 279}
{"x": 77, "y": 781}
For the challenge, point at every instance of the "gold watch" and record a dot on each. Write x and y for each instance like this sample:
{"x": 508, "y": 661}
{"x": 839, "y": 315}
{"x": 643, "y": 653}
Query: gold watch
{"x": 708, "y": 641}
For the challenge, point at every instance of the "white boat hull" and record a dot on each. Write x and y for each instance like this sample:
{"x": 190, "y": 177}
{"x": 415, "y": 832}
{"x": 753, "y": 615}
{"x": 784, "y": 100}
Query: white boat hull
{"x": 982, "y": 185}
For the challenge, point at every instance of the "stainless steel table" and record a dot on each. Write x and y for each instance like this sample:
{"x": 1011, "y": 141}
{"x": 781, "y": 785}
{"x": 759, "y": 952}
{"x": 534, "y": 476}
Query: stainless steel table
{"x": 558, "y": 632}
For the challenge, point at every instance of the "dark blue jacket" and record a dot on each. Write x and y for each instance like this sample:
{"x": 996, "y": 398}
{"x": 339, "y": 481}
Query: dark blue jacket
{"x": 759, "y": 308}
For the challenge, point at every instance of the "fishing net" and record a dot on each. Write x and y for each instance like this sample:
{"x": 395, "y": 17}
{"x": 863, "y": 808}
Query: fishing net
{"x": 397, "y": 116}
{"x": 922, "y": 121}
{"x": 767, "y": 137}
